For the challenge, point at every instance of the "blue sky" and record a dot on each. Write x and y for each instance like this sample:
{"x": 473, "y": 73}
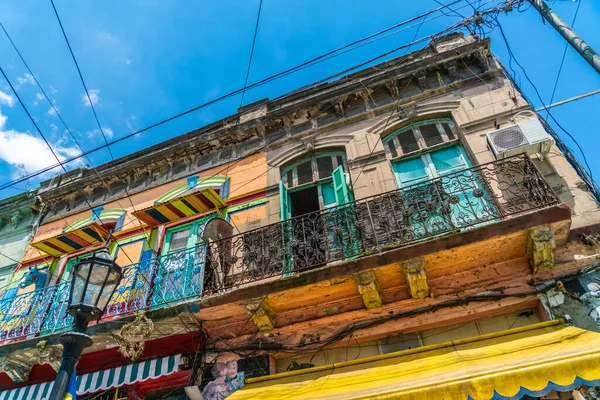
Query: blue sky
{"x": 144, "y": 61}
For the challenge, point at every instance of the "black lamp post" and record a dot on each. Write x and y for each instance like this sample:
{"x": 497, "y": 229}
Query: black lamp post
{"x": 94, "y": 281}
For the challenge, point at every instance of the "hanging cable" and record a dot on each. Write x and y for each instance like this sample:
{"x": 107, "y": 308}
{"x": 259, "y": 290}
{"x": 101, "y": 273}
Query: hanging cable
{"x": 228, "y": 95}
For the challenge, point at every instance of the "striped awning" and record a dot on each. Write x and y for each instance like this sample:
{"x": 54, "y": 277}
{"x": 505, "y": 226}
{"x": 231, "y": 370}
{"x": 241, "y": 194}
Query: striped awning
{"x": 187, "y": 205}
{"x": 89, "y": 235}
{"x": 102, "y": 380}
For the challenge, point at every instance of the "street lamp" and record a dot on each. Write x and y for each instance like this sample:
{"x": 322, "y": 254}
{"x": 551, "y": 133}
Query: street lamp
{"x": 95, "y": 279}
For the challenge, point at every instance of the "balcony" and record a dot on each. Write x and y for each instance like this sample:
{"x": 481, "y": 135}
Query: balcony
{"x": 445, "y": 206}
{"x": 151, "y": 284}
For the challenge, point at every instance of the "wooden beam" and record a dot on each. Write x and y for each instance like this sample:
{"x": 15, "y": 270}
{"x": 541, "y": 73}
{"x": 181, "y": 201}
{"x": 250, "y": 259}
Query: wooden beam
{"x": 328, "y": 327}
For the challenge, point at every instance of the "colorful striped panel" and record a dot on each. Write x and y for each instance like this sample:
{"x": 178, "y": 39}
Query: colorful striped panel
{"x": 90, "y": 235}
{"x": 190, "y": 204}
{"x": 102, "y": 380}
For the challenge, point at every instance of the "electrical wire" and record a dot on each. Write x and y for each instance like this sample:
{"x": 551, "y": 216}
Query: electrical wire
{"x": 226, "y": 96}
{"x": 251, "y": 52}
{"x": 589, "y": 181}
{"x": 562, "y": 61}
{"x": 91, "y": 103}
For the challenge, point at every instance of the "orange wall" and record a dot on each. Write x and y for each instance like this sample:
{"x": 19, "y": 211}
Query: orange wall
{"x": 247, "y": 176}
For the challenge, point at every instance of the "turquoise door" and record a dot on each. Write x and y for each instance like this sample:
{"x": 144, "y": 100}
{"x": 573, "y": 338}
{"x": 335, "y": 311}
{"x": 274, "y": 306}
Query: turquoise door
{"x": 181, "y": 267}
{"x": 441, "y": 193}
{"x": 342, "y": 231}
{"x": 466, "y": 190}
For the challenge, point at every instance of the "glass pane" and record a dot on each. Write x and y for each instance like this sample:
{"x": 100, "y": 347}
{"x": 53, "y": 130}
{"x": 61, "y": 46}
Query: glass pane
{"x": 325, "y": 167}
{"x": 448, "y": 159}
{"x": 340, "y": 161}
{"x": 407, "y": 140}
{"x": 448, "y": 131}
{"x": 392, "y": 148}
{"x": 179, "y": 240}
{"x": 431, "y": 134}
{"x": 305, "y": 173}
{"x": 290, "y": 178}
{"x": 410, "y": 171}
{"x": 328, "y": 194}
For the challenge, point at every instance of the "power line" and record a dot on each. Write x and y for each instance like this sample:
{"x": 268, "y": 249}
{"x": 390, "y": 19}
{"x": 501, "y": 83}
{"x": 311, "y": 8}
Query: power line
{"x": 87, "y": 93}
{"x": 562, "y": 61}
{"x": 233, "y": 93}
{"x": 128, "y": 196}
{"x": 62, "y": 165}
{"x": 251, "y": 52}
{"x": 512, "y": 57}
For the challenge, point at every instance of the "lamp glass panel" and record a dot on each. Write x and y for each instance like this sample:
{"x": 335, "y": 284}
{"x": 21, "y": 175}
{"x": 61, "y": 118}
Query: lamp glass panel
{"x": 79, "y": 279}
{"x": 111, "y": 283}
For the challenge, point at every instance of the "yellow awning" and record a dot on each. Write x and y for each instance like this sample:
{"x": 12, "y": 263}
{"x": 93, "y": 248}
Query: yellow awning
{"x": 531, "y": 360}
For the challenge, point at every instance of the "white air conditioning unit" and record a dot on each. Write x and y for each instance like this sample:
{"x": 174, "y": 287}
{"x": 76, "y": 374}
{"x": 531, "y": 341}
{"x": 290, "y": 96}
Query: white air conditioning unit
{"x": 526, "y": 136}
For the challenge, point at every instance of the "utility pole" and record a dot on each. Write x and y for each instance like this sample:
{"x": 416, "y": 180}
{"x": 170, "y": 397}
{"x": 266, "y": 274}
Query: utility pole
{"x": 569, "y": 34}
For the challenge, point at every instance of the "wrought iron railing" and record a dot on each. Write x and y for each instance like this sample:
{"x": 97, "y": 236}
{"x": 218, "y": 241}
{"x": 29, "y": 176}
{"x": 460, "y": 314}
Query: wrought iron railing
{"x": 151, "y": 284}
{"x": 454, "y": 202}
{"x": 159, "y": 282}
{"x": 40, "y": 310}
{"x": 451, "y": 203}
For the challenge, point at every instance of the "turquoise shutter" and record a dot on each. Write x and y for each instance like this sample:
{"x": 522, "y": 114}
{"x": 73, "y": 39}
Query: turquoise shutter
{"x": 340, "y": 187}
{"x": 284, "y": 201}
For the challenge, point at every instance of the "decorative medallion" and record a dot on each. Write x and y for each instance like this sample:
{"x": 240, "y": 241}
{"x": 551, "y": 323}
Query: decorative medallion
{"x": 131, "y": 338}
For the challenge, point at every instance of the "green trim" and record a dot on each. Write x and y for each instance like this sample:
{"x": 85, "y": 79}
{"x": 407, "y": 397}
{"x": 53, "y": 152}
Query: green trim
{"x": 203, "y": 183}
{"x": 318, "y": 155}
{"x": 388, "y": 137}
{"x": 243, "y": 206}
{"x": 108, "y": 214}
{"x": 134, "y": 238}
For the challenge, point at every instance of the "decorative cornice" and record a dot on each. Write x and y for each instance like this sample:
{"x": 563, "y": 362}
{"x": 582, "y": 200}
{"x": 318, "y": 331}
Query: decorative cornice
{"x": 291, "y": 116}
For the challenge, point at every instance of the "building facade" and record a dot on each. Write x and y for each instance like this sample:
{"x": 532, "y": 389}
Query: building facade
{"x": 411, "y": 230}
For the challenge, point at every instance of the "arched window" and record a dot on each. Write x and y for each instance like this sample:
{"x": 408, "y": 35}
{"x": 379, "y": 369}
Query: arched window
{"x": 420, "y": 136}
{"x": 425, "y": 150}
{"x": 314, "y": 183}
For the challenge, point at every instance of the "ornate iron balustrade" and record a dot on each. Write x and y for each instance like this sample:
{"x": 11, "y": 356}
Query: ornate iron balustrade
{"x": 41, "y": 310}
{"x": 451, "y": 203}
{"x": 159, "y": 282}
{"x": 150, "y": 284}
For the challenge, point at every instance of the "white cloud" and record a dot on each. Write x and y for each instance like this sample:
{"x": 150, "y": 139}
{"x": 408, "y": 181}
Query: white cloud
{"x": 27, "y": 152}
{"x": 127, "y": 62}
{"x": 52, "y": 111}
{"x": 27, "y": 78}
{"x": 38, "y": 97}
{"x": 53, "y": 90}
{"x": 94, "y": 97}
{"x": 6, "y": 99}
{"x": 108, "y": 132}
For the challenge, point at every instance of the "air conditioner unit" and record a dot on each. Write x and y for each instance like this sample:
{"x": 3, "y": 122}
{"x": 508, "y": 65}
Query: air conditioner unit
{"x": 526, "y": 136}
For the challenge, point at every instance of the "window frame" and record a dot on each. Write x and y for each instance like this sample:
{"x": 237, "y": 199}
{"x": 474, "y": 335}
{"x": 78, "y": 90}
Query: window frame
{"x": 428, "y": 164}
{"x": 317, "y": 181}
{"x": 315, "y": 171}
{"x": 193, "y": 226}
{"x": 393, "y": 140}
